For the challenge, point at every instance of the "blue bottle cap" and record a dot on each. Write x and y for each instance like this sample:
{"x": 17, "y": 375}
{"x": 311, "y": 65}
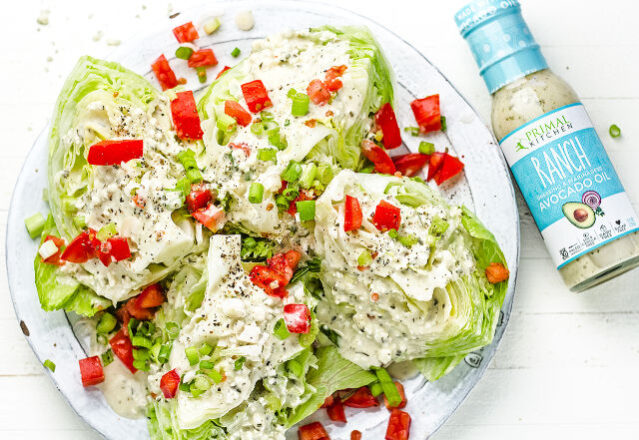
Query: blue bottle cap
{"x": 500, "y": 41}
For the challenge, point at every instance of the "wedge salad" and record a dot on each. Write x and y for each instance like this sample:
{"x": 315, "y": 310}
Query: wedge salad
{"x": 243, "y": 259}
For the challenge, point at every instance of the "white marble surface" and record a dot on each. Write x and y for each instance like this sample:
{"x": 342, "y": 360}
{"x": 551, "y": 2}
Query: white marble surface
{"x": 568, "y": 364}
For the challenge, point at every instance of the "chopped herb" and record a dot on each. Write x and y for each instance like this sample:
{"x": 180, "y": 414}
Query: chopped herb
{"x": 364, "y": 259}
{"x": 50, "y": 365}
{"x": 201, "y": 74}
{"x": 292, "y": 172}
{"x": 444, "y": 126}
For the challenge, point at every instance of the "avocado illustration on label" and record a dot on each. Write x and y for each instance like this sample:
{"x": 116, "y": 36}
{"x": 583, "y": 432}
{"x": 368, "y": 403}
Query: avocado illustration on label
{"x": 579, "y": 214}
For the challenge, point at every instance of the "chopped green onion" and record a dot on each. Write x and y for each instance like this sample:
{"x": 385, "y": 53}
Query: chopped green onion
{"x": 614, "y": 131}
{"x": 69, "y": 206}
{"x": 141, "y": 354}
{"x": 206, "y": 365}
{"x": 300, "y": 104}
{"x": 187, "y": 159}
{"x": 266, "y": 116}
{"x": 438, "y": 227}
{"x": 412, "y": 130}
{"x": 368, "y": 170}
{"x": 295, "y": 367}
{"x": 183, "y": 52}
{"x": 205, "y": 349}
{"x": 201, "y": 74}
{"x": 239, "y": 363}
{"x": 201, "y": 383}
{"x": 236, "y": 52}
{"x": 211, "y": 25}
{"x": 35, "y": 224}
{"x": 256, "y": 193}
{"x": 165, "y": 352}
{"x": 107, "y": 357}
{"x": 192, "y": 355}
{"x": 50, "y": 365}
{"x": 172, "y": 329}
{"x": 106, "y": 231}
{"x": 194, "y": 391}
{"x": 280, "y": 330}
{"x": 291, "y": 192}
{"x": 391, "y": 393}
{"x": 376, "y": 389}
{"x": 186, "y": 387}
{"x": 324, "y": 173}
{"x": 257, "y": 128}
{"x": 292, "y": 172}
{"x": 141, "y": 365}
{"x": 393, "y": 234}
{"x": 444, "y": 126}
{"x": 383, "y": 375}
{"x": 291, "y": 93}
{"x": 79, "y": 222}
{"x": 306, "y": 210}
{"x": 309, "y": 173}
{"x": 215, "y": 375}
{"x": 107, "y": 323}
{"x": 287, "y": 122}
{"x": 426, "y": 147}
{"x": 266, "y": 154}
{"x": 226, "y": 123}
{"x": 275, "y": 139}
{"x": 141, "y": 341}
{"x": 281, "y": 202}
{"x": 408, "y": 240}
{"x": 364, "y": 259}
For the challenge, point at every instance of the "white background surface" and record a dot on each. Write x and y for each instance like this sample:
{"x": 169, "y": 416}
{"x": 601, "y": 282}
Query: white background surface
{"x": 568, "y": 366}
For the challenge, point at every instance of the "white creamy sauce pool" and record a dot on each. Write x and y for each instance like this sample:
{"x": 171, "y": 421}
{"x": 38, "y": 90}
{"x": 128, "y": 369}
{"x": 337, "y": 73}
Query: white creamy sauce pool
{"x": 126, "y": 393}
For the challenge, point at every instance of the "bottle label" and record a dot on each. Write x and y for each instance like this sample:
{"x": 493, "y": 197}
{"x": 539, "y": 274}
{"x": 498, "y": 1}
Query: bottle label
{"x": 569, "y": 183}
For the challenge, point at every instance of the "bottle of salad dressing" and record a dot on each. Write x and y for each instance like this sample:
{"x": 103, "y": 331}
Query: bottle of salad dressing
{"x": 559, "y": 163}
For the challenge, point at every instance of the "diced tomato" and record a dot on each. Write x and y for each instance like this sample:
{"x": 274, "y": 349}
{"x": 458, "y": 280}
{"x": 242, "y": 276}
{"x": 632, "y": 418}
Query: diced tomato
{"x": 318, "y": 92}
{"x": 387, "y": 216}
{"x": 241, "y": 146}
{"x": 164, "y": 73}
{"x": 352, "y": 214}
{"x": 55, "y": 258}
{"x": 138, "y": 312}
{"x": 380, "y": 158}
{"x": 185, "y": 116}
{"x": 150, "y": 297}
{"x": 91, "y": 371}
{"x": 450, "y": 167}
{"x": 268, "y": 279}
{"x": 123, "y": 349}
{"x": 211, "y": 217}
{"x": 398, "y": 425}
{"x": 285, "y": 264}
{"x": 186, "y": 33}
{"x": 336, "y": 411}
{"x": 115, "y": 152}
{"x": 361, "y": 399}
{"x": 312, "y": 431}
{"x": 297, "y": 318}
{"x": 81, "y": 249}
{"x": 202, "y": 58}
{"x": 356, "y": 435}
{"x": 328, "y": 401}
{"x": 402, "y": 404}
{"x": 427, "y": 113}
{"x": 256, "y": 96}
{"x": 496, "y": 273}
{"x": 387, "y": 122}
{"x": 198, "y": 198}
{"x": 410, "y": 164}
{"x": 119, "y": 248}
{"x": 434, "y": 164}
{"x": 224, "y": 69}
{"x": 235, "y": 110}
{"x": 169, "y": 384}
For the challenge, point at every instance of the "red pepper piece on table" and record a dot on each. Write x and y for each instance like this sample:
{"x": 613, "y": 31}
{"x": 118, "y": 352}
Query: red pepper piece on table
{"x": 186, "y": 33}
{"x": 202, "y": 58}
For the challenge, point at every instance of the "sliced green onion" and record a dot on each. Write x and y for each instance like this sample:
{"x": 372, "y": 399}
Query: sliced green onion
{"x": 614, "y": 131}
{"x": 201, "y": 383}
{"x": 300, "y": 104}
{"x": 412, "y": 130}
{"x": 266, "y": 116}
{"x": 141, "y": 341}
{"x": 187, "y": 159}
{"x": 192, "y": 355}
{"x": 79, "y": 222}
{"x": 205, "y": 349}
{"x": 267, "y": 154}
{"x": 291, "y": 93}
{"x": 172, "y": 329}
{"x": 183, "y": 52}
{"x": 201, "y": 74}
{"x": 206, "y": 365}
{"x": 408, "y": 240}
{"x": 212, "y": 25}
{"x": 236, "y": 52}
{"x": 368, "y": 170}
{"x": 444, "y": 126}
{"x": 324, "y": 173}
{"x": 165, "y": 352}
{"x": 309, "y": 173}
{"x": 106, "y": 232}
{"x": 292, "y": 172}
{"x": 49, "y": 364}
{"x": 186, "y": 387}
{"x": 257, "y": 128}
{"x": 141, "y": 365}
{"x": 391, "y": 393}
{"x": 280, "y": 330}
{"x": 426, "y": 147}
{"x": 275, "y": 139}
{"x": 306, "y": 210}
{"x": 438, "y": 227}
{"x": 376, "y": 389}
{"x": 291, "y": 192}
{"x": 364, "y": 259}
{"x": 226, "y": 123}
{"x": 295, "y": 367}
{"x": 281, "y": 202}
{"x": 107, "y": 323}
{"x": 239, "y": 363}
{"x": 215, "y": 375}
{"x": 195, "y": 392}
{"x": 256, "y": 193}
{"x": 107, "y": 357}
{"x": 393, "y": 234}
{"x": 383, "y": 375}
{"x": 35, "y": 224}
{"x": 141, "y": 354}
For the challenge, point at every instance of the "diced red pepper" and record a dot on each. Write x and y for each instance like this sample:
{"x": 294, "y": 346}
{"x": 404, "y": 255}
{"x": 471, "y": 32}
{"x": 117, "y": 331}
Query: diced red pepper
{"x": 115, "y": 152}
{"x": 356, "y": 435}
{"x": 387, "y": 122}
{"x": 138, "y": 312}
{"x": 186, "y": 33}
{"x": 333, "y": 85}
{"x": 380, "y": 158}
{"x": 450, "y": 167}
{"x": 150, "y": 297}
{"x": 434, "y": 164}
{"x": 211, "y": 217}
{"x": 123, "y": 316}
{"x": 496, "y": 273}
{"x": 164, "y": 73}
{"x": 361, "y": 399}
{"x": 335, "y": 411}
{"x": 256, "y": 96}
{"x": 352, "y": 214}
{"x": 119, "y": 248}
{"x": 268, "y": 279}
{"x": 169, "y": 384}
{"x": 82, "y": 248}
{"x": 91, "y": 371}
{"x": 202, "y": 58}
{"x": 427, "y": 113}
{"x": 410, "y": 164}
{"x": 312, "y": 431}
{"x": 387, "y": 216}
{"x": 297, "y": 318}
{"x": 55, "y": 258}
{"x": 224, "y": 69}
{"x": 335, "y": 72}
{"x": 185, "y": 116}
{"x": 198, "y": 198}
{"x": 402, "y": 404}
{"x": 285, "y": 263}
{"x": 236, "y": 111}
{"x": 318, "y": 92}
{"x": 328, "y": 401}
{"x": 123, "y": 349}
{"x": 241, "y": 146}
{"x": 398, "y": 425}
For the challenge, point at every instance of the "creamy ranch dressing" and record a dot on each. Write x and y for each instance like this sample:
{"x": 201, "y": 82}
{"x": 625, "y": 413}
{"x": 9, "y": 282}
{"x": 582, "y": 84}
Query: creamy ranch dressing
{"x": 125, "y": 393}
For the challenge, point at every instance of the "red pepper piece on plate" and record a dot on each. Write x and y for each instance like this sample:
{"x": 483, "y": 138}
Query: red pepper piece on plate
{"x": 91, "y": 371}
{"x": 203, "y": 58}
{"x": 380, "y": 158}
{"x": 352, "y": 214}
{"x": 398, "y": 425}
{"x": 236, "y": 111}
{"x": 362, "y": 398}
{"x": 427, "y": 113}
{"x": 123, "y": 349}
{"x": 387, "y": 122}
{"x": 164, "y": 73}
{"x": 256, "y": 96}
{"x": 312, "y": 431}
{"x": 387, "y": 216}
{"x": 410, "y": 164}
{"x": 185, "y": 117}
{"x": 186, "y": 33}
{"x": 198, "y": 198}
{"x": 169, "y": 384}
{"x": 297, "y": 318}
{"x": 115, "y": 152}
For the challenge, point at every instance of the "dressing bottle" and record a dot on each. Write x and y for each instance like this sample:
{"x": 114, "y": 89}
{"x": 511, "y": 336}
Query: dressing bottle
{"x": 561, "y": 167}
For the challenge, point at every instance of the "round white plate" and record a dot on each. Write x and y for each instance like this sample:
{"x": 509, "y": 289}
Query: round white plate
{"x": 485, "y": 188}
